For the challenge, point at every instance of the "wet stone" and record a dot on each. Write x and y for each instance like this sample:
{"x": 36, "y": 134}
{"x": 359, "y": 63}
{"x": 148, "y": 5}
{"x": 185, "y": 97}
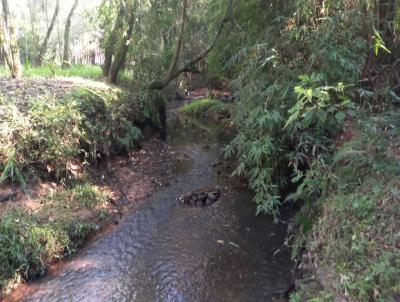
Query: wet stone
{"x": 209, "y": 202}
{"x": 212, "y": 197}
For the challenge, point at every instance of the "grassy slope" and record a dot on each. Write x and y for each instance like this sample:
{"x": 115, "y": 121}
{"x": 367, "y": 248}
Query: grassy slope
{"x": 356, "y": 241}
{"x": 33, "y": 144}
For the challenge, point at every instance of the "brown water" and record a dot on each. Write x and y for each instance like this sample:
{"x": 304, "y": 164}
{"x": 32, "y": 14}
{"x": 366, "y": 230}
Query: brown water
{"x": 168, "y": 252}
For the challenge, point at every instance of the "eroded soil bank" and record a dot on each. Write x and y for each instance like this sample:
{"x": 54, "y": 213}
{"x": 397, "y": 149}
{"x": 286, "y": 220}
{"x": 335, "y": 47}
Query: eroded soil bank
{"x": 166, "y": 251}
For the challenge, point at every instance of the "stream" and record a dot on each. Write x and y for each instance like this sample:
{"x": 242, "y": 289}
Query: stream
{"x": 165, "y": 251}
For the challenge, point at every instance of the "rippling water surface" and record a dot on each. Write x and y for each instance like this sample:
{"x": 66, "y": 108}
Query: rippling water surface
{"x": 168, "y": 252}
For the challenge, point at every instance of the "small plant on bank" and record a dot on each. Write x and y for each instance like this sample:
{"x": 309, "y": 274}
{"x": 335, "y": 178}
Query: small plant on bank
{"x": 12, "y": 171}
{"x": 207, "y": 108}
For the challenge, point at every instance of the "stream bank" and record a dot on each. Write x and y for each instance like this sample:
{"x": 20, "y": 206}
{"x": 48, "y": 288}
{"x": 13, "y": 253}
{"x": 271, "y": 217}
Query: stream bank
{"x": 166, "y": 251}
{"x": 351, "y": 234}
{"x": 64, "y": 146}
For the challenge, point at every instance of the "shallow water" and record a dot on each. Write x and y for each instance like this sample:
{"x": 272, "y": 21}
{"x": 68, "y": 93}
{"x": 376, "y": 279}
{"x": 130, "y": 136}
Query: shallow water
{"x": 165, "y": 251}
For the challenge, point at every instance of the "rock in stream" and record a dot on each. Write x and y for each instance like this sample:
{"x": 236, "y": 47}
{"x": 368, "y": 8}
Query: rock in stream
{"x": 205, "y": 196}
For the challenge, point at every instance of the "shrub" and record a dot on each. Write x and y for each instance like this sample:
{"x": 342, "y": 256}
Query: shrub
{"x": 293, "y": 88}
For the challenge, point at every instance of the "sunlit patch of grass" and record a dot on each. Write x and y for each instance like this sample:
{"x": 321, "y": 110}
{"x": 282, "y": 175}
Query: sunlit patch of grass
{"x": 92, "y": 72}
{"x": 81, "y": 195}
{"x": 207, "y": 107}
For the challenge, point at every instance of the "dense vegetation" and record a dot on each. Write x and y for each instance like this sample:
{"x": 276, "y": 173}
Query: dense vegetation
{"x": 303, "y": 73}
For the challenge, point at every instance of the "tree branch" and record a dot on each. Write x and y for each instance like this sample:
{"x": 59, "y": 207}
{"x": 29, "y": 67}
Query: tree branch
{"x": 174, "y": 73}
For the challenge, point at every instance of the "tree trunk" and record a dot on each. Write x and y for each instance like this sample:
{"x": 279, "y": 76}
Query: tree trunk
{"x": 8, "y": 40}
{"x": 65, "y": 60}
{"x": 179, "y": 40}
{"x": 6, "y": 50}
{"x": 43, "y": 48}
{"x": 120, "y": 56}
{"x": 113, "y": 38}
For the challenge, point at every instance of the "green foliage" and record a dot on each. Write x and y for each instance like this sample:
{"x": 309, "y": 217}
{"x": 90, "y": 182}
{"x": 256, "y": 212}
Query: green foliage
{"x": 353, "y": 238}
{"x": 379, "y": 43}
{"x": 45, "y": 142}
{"x": 109, "y": 121}
{"x": 294, "y": 90}
{"x": 12, "y": 171}
{"x": 316, "y": 106}
{"x": 49, "y": 62}
{"x": 155, "y": 35}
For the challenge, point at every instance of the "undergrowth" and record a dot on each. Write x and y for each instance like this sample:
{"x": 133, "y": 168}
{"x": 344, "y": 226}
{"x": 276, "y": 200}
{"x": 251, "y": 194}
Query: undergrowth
{"x": 355, "y": 240}
{"x": 294, "y": 90}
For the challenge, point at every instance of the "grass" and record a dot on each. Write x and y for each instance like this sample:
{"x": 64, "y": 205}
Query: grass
{"x": 92, "y": 72}
{"x": 84, "y": 195}
{"x": 356, "y": 239}
{"x": 207, "y": 107}
{"x": 30, "y": 242}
